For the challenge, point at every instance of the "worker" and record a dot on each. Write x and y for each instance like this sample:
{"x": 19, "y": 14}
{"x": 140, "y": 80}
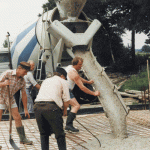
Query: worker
{"x": 51, "y": 103}
{"x": 14, "y": 79}
{"x": 74, "y": 78}
{"x": 30, "y": 83}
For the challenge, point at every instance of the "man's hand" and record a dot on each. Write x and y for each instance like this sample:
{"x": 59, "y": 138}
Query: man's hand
{"x": 91, "y": 82}
{"x": 27, "y": 114}
{"x": 96, "y": 93}
{"x": 6, "y": 82}
{"x": 65, "y": 112}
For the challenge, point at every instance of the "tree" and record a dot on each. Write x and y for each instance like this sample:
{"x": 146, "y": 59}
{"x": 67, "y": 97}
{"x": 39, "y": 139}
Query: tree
{"x": 146, "y": 48}
{"x": 49, "y": 5}
{"x": 107, "y": 44}
{"x": 147, "y": 41}
{"x": 133, "y": 15}
{"x": 5, "y": 44}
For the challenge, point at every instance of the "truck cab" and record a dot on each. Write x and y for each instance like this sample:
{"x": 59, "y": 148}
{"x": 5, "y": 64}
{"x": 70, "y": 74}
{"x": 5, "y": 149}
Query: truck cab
{"x": 4, "y": 59}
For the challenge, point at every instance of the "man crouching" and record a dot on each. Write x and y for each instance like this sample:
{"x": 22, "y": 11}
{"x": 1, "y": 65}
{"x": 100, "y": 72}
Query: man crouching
{"x": 53, "y": 97}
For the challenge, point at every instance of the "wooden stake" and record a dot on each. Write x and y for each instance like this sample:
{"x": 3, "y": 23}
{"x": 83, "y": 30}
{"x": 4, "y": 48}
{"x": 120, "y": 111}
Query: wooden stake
{"x": 11, "y": 141}
{"x": 148, "y": 82}
{"x": 148, "y": 73}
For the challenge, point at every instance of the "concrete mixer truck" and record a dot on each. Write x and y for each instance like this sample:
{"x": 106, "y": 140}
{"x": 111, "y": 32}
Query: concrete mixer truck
{"x": 55, "y": 38}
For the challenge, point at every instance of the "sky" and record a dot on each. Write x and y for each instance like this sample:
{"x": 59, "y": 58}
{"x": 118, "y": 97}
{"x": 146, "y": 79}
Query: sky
{"x": 139, "y": 39}
{"x": 16, "y": 14}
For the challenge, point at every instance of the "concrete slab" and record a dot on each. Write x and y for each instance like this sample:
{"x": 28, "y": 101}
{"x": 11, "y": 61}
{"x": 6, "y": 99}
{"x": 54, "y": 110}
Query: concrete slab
{"x": 90, "y": 108}
{"x": 138, "y": 129}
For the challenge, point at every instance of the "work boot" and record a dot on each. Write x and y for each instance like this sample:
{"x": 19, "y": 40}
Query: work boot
{"x": 69, "y": 123}
{"x": 71, "y": 128}
{"x": 23, "y": 139}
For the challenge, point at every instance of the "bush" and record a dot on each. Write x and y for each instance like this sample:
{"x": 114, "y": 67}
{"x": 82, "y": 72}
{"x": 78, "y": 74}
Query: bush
{"x": 124, "y": 63}
{"x": 136, "y": 82}
{"x": 141, "y": 58}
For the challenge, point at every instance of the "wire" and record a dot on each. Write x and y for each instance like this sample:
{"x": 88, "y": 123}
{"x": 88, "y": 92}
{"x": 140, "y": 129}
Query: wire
{"x": 89, "y": 131}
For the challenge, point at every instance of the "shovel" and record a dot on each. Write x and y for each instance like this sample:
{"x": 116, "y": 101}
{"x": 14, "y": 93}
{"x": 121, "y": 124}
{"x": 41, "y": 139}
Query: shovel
{"x": 11, "y": 141}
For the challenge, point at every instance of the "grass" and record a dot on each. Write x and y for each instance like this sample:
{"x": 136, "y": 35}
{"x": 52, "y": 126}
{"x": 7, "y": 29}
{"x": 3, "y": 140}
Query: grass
{"x": 136, "y": 82}
{"x": 135, "y": 103}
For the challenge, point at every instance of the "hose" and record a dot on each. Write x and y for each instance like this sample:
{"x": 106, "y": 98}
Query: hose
{"x": 89, "y": 132}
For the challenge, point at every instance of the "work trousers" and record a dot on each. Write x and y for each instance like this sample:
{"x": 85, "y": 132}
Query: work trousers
{"x": 30, "y": 100}
{"x": 49, "y": 120}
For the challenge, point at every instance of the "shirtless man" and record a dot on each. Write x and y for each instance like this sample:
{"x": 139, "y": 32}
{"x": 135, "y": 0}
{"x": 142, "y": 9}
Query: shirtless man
{"x": 74, "y": 78}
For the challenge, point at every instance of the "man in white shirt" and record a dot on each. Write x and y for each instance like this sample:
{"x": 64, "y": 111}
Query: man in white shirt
{"x": 51, "y": 103}
{"x": 30, "y": 82}
{"x": 74, "y": 78}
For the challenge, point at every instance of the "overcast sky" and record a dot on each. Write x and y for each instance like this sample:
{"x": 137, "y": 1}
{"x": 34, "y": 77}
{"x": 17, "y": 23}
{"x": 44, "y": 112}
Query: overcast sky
{"x": 139, "y": 39}
{"x": 16, "y": 14}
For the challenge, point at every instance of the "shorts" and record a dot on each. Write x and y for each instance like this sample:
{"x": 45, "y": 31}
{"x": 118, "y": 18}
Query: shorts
{"x": 71, "y": 94}
{"x": 3, "y": 106}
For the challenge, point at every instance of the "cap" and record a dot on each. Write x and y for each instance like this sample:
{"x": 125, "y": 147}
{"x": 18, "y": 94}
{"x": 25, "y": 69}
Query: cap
{"x": 25, "y": 65}
{"x": 61, "y": 71}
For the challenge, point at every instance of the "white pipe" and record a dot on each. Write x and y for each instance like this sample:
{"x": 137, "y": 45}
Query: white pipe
{"x": 58, "y": 30}
{"x": 114, "y": 108}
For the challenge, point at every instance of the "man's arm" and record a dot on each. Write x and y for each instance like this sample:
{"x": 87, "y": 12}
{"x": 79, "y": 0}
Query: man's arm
{"x": 32, "y": 80}
{"x": 77, "y": 79}
{"x": 65, "y": 96}
{"x": 86, "y": 81}
{"x": 5, "y": 83}
{"x": 37, "y": 86}
{"x": 3, "y": 80}
{"x": 24, "y": 100}
{"x": 66, "y": 105}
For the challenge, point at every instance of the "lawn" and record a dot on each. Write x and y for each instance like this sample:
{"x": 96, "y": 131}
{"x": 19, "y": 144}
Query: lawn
{"x": 137, "y": 82}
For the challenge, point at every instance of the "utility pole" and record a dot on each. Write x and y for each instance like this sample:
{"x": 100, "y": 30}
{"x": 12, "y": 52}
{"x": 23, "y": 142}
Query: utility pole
{"x": 9, "y": 55}
{"x": 133, "y": 48}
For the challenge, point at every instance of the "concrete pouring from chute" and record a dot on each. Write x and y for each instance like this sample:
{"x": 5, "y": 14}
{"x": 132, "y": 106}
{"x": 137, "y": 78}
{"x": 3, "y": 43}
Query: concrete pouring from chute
{"x": 67, "y": 29}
